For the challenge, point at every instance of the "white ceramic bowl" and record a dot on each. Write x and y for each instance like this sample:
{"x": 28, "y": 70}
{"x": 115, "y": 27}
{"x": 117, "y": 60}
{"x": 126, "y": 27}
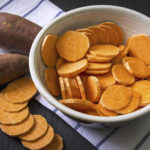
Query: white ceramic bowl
{"x": 132, "y": 22}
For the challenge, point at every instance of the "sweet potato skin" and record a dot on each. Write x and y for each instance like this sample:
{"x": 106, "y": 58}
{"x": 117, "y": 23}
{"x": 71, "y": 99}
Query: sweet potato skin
{"x": 17, "y": 33}
{"x": 12, "y": 66}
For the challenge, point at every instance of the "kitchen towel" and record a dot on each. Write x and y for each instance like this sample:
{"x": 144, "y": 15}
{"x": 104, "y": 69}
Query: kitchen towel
{"x": 134, "y": 135}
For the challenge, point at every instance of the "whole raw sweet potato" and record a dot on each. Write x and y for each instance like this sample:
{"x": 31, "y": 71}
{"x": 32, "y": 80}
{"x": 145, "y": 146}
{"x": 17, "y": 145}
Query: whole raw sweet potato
{"x": 12, "y": 66}
{"x": 17, "y": 33}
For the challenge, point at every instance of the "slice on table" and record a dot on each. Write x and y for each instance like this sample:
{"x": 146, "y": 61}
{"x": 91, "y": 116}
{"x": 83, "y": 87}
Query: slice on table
{"x": 6, "y": 105}
{"x": 71, "y": 69}
{"x": 105, "y": 111}
{"x": 96, "y": 59}
{"x": 121, "y": 75}
{"x": 39, "y": 129}
{"x": 81, "y": 88}
{"x": 72, "y": 45}
{"x": 143, "y": 89}
{"x": 67, "y": 88}
{"x": 104, "y": 50}
{"x": 132, "y": 106}
{"x": 56, "y": 144}
{"x": 116, "y": 97}
{"x": 20, "y": 128}
{"x": 116, "y": 28}
{"x": 20, "y": 90}
{"x": 13, "y": 118}
{"x": 62, "y": 87}
{"x": 78, "y": 104}
{"x": 137, "y": 68}
{"x": 106, "y": 80}
{"x": 99, "y": 66}
{"x": 48, "y": 50}
{"x": 42, "y": 142}
{"x": 51, "y": 80}
{"x": 139, "y": 46}
{"x": 93, "y": 89}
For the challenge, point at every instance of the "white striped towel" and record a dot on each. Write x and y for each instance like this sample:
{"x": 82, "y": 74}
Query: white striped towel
{"x": 134, "y": 135}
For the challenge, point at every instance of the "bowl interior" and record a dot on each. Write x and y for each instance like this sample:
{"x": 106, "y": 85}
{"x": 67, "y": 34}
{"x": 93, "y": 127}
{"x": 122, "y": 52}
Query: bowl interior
{"x": 130, "y": 21}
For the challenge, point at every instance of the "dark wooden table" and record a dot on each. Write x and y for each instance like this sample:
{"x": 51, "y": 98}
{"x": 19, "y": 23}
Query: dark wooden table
{"x": 72, "y": 140}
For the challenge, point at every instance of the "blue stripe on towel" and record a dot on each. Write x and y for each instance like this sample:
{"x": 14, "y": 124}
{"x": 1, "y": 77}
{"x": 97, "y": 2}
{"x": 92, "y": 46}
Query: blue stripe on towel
{"x": 55, "y": 110}
{"x": 142, "y": 141}
{"x": 59, "y": 13}
{"x": 106, "y": 137}
{"x": 78, "y": 125}
{"x": 7, "y": 3}
{"x": 34, "y": 8}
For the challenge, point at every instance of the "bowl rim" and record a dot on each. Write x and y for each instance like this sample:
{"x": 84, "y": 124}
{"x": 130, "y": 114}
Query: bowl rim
{"x": 66, "y": 110}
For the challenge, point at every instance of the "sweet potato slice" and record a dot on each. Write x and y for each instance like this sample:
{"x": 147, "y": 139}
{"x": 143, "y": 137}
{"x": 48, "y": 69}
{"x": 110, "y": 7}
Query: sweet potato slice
{"x": 39, "y": 129}
{"x": 78, "y": 104}
{"x": 99, "y": 66}
{"x": 121, "y": 47}
{"x": 6, "y": 105}
{"x": 105, "y": 111}
{"x": 121, "y": 75}
{"x": 137, "y": 68}
{"x": 90, "y": 34}
{"x": 59, "y": 62}
{"x": 81, "y": 88}
{"x": 102, "y": 36}
{"x": 71, "y": 69}
{"x": 67, "y": 88}
{"x": 13, "y": 118}
{"x": 62, "y": 87}
{"x": 116, "y": 97}
{"x": 91, "y": 112}
{"x": 95, "y": 72}
{"x": 56, "y": 144}
{"x": 122, "y": 54}
{"x": 48, "y": 51}
{"x": 142, "y": 87}
{"x": 116, "y": 28}
{"x": 132, "y": 106}
{"x": 139, "y": 46}
{"x": 42, "y": 142}
{"x": 104, "y": 50}
{"x": 51, "y": 80}
{"x": 106, "y": 80}
{"x": 76, "y": 88}
{"x": 96, "y": 59}
{"x": 113, "y": 36}
{"x": 72, "y": 45}
{"x": 93, "y": 89}
{"x": 73, "y": 88}
{"x": 20, "y": 128}
{"x": 20, "y": 90}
